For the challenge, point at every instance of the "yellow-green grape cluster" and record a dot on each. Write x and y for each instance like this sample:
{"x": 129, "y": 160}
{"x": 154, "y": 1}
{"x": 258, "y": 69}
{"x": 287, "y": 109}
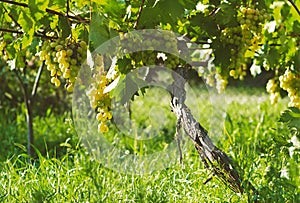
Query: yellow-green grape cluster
{"x": 214, "y": 79}
{"x": 252, "y": 19}
{"x": 210, "y": 79}
{"x": 150, "y": 44}
{"x": 100, "y": 101}
{"x": 221, "y": 83}
{"x": 246, "y": 36}
{"x": 170, "y": 42}
{"x": 3, "y": 53}
{"x": 273, "y": 89}
{"x": 290, "y": 82}
{"x": 63, "y": 57}
{"x": 234, "y": 38}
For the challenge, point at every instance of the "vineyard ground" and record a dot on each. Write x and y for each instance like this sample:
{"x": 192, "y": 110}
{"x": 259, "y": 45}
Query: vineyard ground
{"x": 65, "y": 172}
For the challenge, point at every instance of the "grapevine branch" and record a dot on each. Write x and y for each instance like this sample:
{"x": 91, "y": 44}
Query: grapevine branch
{"x": 295, "y": 6}
{"x": 77, "y": 18}
{"x": 11, "y": 31}
{"x": 20, "y": 33}
{"x": 139, "y": 14}
{"x": 11, "y": 16}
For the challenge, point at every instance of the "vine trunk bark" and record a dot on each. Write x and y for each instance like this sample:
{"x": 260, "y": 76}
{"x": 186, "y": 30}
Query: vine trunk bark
{"x": 213, "y": 158}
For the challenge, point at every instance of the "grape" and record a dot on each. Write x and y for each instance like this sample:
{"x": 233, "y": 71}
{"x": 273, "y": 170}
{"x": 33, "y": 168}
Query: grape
{"x": 274, "y": 97}
{"x": 273, "y": 88}
{"x": 221, "y": 83}
{"x": 290, "y": 82}
{"x": 245, "y": 36}
{"x": 63, "y": 57}
{"x": 100, "y": 101}
{"x": 149, "y": 56}
{"x": 70, "y": 87}
{"x": 57, "y": 82}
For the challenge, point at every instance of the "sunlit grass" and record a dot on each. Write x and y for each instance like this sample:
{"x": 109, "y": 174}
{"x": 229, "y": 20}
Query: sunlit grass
{"x": 241, "y": 122}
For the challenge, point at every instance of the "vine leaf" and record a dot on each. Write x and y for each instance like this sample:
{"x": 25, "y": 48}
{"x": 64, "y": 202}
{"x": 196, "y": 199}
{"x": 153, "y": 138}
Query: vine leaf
{"x": 27, "y": 25}
{"x": 64, "y": 26}
{"x": 291, "y": 117}
{"x": 128, "y": 86}
{"x": 57, "y": 4}
{"x": 99, "y": 32}
{"x": 226, "y": 16}
{"x": 38, "y": 7}
{"x": 206, "y": 23}
{"x": 154, "y": 14}
{"x": 297, "y": 61}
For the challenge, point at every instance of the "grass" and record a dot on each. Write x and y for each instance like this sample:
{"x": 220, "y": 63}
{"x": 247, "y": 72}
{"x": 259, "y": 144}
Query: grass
{"x": 242, "y": 123}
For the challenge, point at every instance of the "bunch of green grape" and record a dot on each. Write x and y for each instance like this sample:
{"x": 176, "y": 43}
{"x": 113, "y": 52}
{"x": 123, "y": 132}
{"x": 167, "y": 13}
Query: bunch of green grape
{"x": 3, "y": 53}
{"x": 273, "y": 89}
{"x": 63, "y": 58}
{"x": 234, "y": 38}
{"x": 290, "y": 81}
{"x": 149, "y": 42}
{"x": 244, "y": 37}
{"x": 100, "y": 101}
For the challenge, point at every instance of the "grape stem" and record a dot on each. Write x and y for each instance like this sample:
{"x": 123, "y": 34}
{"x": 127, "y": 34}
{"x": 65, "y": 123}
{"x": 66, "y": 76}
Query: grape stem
{"x": 77, "y": 18}
{"x": 139, "y": 14}
{"x": 294, "y": 5}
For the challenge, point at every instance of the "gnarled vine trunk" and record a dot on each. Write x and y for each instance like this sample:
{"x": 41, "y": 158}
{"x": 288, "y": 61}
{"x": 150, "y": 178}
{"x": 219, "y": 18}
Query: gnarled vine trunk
{"x": 213, "y": 158}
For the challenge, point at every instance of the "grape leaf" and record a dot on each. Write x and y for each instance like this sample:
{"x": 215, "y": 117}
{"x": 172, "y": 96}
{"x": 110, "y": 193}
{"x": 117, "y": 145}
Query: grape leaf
{"x": 227, "y": 15}
{"x": 127, "y": 88}
{"x": 207, "y": 24}
{"x": 176, "y": 9}
{"x": 124, "y": 65}
{"x": 291, "y": 117}
{"x": 27, "y": 25}
{"x": 156, "y": 14}
{"x": 99, "y": 31}
{"x": 149, "y": 17}
{"x": 273, "y": 57}
{"x": 64, "y": 26}
{"x": 37, "y": 7}
{"x": 297, "y": 61}
{"x": 57, "y": 4}
{"x": 221, "y": 53}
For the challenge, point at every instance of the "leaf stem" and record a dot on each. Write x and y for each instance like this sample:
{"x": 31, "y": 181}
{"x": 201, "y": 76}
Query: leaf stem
{"x": 139, "y": 14}
{"x": 295, "y": 6}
